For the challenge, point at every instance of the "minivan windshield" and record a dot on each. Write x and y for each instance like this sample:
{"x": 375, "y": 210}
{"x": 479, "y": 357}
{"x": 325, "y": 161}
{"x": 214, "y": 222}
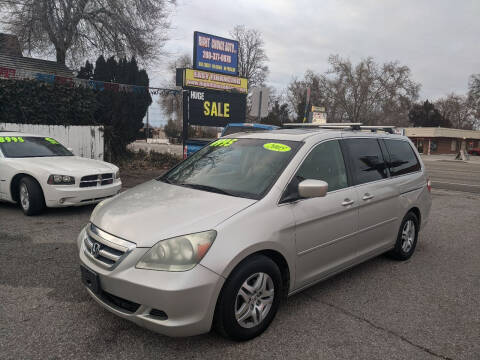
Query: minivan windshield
{"x": 31, "y": 146}
{"x": 237, "y": 167}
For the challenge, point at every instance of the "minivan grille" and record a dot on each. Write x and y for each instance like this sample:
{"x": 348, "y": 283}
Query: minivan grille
{"x": 96, "y": 180}
{"x": 105, "y": 249}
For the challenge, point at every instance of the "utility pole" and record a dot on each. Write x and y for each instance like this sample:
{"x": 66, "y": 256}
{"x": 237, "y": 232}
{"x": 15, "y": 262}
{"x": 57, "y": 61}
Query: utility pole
{"x": 307, "y": 105}
{"x": 260, "y": 107}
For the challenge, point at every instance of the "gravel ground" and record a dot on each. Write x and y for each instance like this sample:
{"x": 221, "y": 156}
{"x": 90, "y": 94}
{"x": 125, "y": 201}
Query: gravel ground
{"x": 425, "y": 308}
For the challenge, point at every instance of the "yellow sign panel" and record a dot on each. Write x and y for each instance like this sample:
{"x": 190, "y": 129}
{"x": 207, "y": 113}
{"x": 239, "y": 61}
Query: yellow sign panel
{"x": 318, "y": 108}
{"x": 209, "y": 80}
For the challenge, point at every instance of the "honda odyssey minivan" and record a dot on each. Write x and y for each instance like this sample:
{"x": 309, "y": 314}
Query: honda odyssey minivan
{"x": 222, "y": 238}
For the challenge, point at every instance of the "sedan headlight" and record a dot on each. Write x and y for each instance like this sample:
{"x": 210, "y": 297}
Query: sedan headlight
{"x": 61, "y": 180}
{"x": 180, "y": 253}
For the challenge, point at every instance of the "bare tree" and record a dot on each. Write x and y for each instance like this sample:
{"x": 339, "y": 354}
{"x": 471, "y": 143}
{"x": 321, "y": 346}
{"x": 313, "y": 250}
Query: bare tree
{"x": 457, "y": 110}
{"x": 366, "y": 92}
{"x": 172, "y": 105}
{"x": 252, "y": 57}
{"x": 73, "y": 28}
{"x": 297, "y": 93}
{"x": 474, "y": 97}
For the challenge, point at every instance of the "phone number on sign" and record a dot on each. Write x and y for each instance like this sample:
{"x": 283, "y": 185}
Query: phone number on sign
{"x": 209, "y": 55}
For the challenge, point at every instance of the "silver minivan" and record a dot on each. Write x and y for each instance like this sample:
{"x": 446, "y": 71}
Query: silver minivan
{"x": 223, "y": 237}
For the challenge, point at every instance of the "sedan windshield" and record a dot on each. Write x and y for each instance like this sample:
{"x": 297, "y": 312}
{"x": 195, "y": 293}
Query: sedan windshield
{"x": 30, "y": 146}
{"x": 236, "y": 167}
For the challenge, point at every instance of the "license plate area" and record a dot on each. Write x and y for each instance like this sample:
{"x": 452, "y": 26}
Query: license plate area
{"x": 90, "y": 279}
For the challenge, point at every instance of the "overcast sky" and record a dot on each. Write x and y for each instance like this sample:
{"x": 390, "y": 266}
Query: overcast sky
{"x": 438, "y": 40}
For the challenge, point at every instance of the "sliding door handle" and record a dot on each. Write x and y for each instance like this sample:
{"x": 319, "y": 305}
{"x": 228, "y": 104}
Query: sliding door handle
{"x": 347, "y": 202}
{"x": 367, "y": 196}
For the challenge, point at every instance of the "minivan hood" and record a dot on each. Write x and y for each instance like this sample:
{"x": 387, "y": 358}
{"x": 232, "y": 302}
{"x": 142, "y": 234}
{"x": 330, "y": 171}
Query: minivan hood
{"x": 156, "y": 211}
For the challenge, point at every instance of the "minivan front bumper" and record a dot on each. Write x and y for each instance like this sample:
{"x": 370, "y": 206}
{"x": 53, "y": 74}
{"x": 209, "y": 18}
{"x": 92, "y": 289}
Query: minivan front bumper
{"x": 187, "y": 298}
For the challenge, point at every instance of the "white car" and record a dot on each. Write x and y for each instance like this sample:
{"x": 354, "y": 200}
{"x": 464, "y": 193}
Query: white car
{"x": 37, "y": 171}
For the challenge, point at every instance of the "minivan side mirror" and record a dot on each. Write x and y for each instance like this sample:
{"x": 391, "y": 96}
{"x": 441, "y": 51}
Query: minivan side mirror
{"x": 312, "y": 188}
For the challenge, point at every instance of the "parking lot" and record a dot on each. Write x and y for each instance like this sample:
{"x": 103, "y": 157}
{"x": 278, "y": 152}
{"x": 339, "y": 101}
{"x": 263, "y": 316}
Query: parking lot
{"x": 425, "y": 308}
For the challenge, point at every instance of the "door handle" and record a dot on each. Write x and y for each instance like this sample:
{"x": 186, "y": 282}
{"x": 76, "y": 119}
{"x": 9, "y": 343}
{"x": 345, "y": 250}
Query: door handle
{"x": 347, "y": 202}
{"x": 367, "y": 196}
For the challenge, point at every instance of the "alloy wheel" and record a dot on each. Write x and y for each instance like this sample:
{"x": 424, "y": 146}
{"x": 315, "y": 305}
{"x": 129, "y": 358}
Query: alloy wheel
{"x": 24, "y": 197}
{"x": 254, "y": 300}
{"x": 408, "y": 236}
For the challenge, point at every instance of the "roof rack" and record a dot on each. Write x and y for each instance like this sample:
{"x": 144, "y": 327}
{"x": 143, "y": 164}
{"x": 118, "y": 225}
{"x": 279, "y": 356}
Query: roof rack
{"x": 351, "y": 126}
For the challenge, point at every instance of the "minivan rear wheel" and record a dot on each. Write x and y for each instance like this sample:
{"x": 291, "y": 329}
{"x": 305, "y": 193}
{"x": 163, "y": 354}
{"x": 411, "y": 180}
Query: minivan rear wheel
{"x": 406, "y": 238}
{"x": 249, "y": 299}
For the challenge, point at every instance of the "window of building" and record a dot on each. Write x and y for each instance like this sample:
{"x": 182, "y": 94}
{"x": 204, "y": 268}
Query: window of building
{"x": 453, "y": 145}
{"x": 366, "y": 160}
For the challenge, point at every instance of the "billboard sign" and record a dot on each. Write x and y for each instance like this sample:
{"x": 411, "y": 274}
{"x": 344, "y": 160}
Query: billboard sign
{"x": 214, "y": 108}
{"x": 209, "y": 80}
{"x": 318, "y": 115}
{"x": 214, "y": 53}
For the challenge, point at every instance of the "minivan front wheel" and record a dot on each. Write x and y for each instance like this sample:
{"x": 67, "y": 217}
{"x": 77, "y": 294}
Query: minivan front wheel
{"x": 407, "y": 238}
{"x": 250, "y": 299}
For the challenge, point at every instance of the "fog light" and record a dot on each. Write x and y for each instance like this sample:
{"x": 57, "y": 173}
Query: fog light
{"x": 161, "y": 315}
{"x": 61, "y": 201}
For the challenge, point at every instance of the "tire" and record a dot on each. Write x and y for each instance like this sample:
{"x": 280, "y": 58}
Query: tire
{"x": 406, "y": 238}
{"x": 30, "y": 196}
{"x": 249, "y": 273}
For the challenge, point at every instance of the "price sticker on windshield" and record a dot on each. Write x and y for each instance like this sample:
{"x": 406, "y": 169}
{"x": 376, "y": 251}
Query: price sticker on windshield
{"x": 11, "y": 139}
{"x": 224, "y": 142}
{"x": 277, "y": 147}
{"x": 52, "y": 141}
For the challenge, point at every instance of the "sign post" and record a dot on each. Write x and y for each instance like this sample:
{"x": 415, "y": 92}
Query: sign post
{"x": 185, "y": 118}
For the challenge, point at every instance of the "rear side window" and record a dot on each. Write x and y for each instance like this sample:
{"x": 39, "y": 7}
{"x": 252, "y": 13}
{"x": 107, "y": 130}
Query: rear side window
{"x": 402, "y": 158}
{"x": 366, "y": 160}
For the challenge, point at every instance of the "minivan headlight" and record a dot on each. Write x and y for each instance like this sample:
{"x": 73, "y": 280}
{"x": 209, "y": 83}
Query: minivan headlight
{"x": 180, "y": 253}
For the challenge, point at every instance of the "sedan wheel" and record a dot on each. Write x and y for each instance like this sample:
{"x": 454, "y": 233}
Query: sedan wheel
{"x": 254, "y": 300}
{"x": 30, "y": 196}
{"x": 24, "y": 197}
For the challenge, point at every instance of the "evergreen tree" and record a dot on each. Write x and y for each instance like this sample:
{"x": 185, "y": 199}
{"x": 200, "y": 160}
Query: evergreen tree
{"x": 278, "y": 115}
{"x": 427, "y": 115}
{"x": 120, "y": 112}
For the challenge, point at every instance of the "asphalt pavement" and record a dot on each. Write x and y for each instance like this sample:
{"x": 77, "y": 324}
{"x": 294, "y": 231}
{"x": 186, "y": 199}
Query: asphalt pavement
{"x": 454, "y": 175}
{"x": 425, "y": 308}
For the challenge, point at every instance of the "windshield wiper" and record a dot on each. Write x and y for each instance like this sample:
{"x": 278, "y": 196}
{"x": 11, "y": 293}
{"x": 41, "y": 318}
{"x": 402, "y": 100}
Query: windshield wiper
{"x": 208, "y": 188}
{"x": 167, "y": 180}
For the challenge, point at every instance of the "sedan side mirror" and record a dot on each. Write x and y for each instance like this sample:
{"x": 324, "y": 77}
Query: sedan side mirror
{"x": 312, "y": 188}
